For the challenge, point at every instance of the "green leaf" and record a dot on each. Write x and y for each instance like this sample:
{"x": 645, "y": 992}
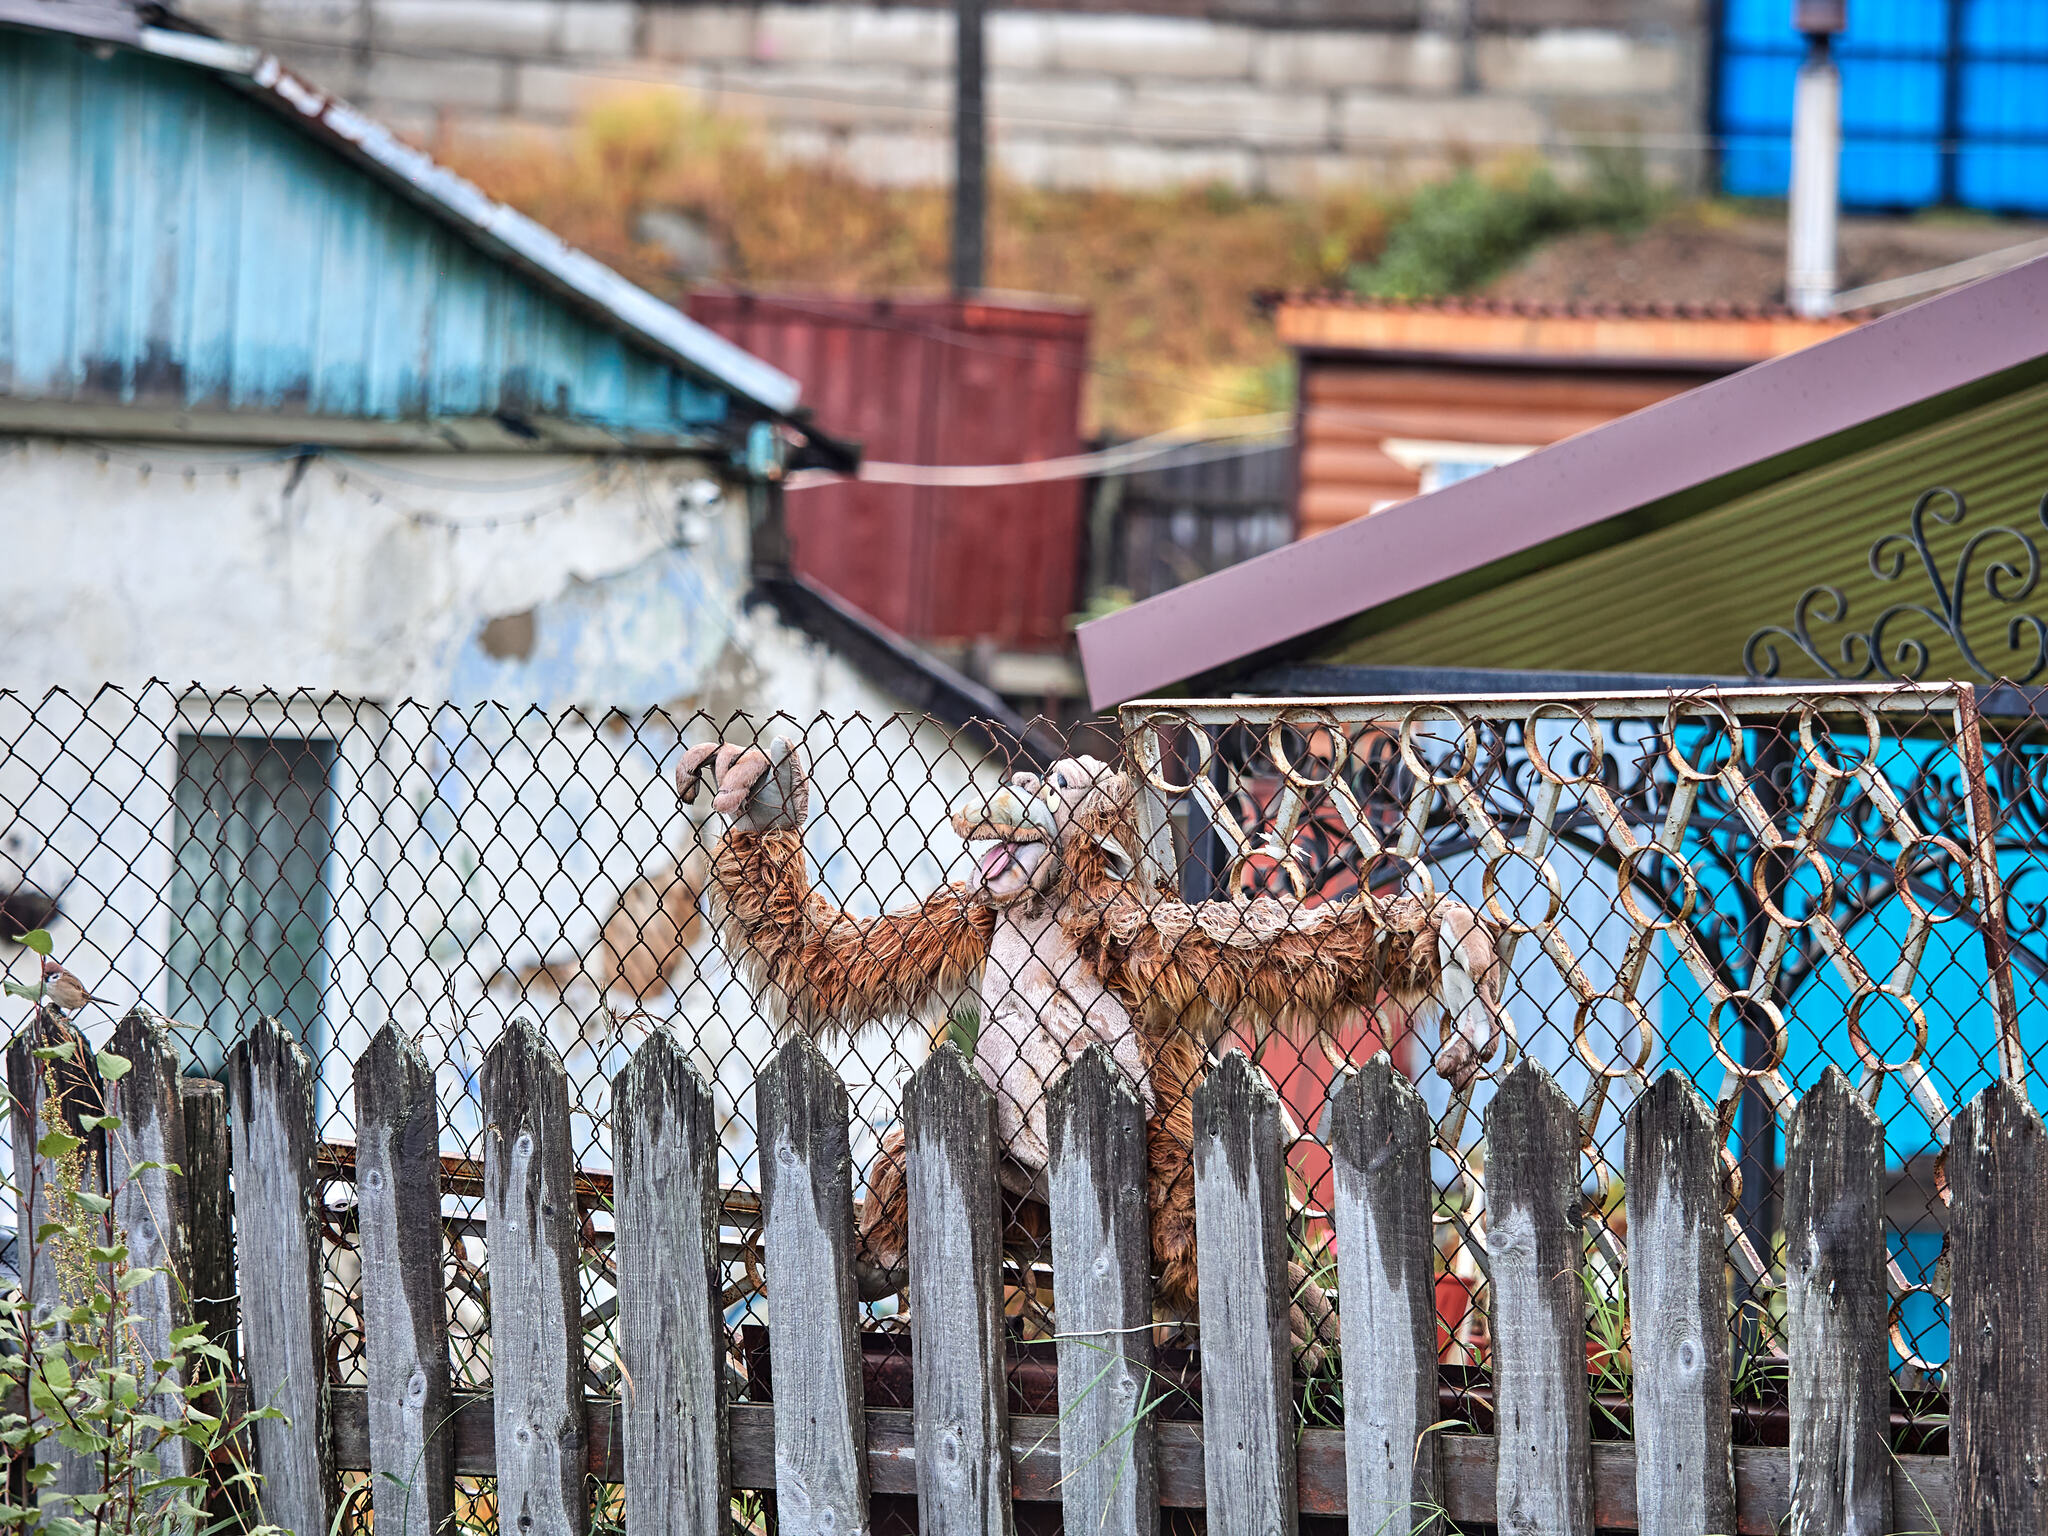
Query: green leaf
{"x": 16, "y": 989}
{"x": 112, "y": 1067}
{"x": 57, "y": 1144}
{"x": 114, "y": 1255}
{"x": 54, "y": 1052}
{"x": 37, "y": 939}
{"x": 99, "y": 1205}
{"x": 131, "y": 1278}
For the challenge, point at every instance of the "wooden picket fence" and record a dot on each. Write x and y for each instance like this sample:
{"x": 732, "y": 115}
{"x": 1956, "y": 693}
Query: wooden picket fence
{"x": 681, "y": 1448}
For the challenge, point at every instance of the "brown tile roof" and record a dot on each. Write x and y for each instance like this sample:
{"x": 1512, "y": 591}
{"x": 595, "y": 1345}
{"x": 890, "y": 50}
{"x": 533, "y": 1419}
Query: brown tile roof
{"x": 1497, "y": 328}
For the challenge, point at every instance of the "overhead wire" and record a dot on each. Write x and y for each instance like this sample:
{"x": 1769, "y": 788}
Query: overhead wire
{"x": 1188, "y": 445}
{"x": 1204, "y": 442}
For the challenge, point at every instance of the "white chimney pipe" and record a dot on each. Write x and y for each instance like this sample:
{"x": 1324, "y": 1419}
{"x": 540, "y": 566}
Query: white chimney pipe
{"x": 1816, "y": 168}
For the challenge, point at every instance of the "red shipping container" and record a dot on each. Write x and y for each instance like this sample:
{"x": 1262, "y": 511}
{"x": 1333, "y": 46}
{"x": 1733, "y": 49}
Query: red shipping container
{"x": 934, "y": 381}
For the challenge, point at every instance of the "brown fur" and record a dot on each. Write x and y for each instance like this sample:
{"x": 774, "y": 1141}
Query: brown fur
{"x": 831, "y": 970}
{"x": 1185, "y": 973}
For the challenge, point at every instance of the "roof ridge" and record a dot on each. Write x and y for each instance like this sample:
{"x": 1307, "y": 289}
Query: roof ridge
{"x": 1593, "y": 309}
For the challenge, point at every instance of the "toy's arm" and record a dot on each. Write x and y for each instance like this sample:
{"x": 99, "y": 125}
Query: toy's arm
{"x": 825, "y": 968}
{"x": 1306, "y": 969}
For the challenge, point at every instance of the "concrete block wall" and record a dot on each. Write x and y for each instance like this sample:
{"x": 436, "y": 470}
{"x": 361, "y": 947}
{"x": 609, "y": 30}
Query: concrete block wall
{"x": 1373, "y": 92}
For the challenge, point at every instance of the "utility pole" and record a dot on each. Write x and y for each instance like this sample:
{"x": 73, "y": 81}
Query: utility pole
{"x": 1816, "y": 161}
{"x": 970, "y": 149}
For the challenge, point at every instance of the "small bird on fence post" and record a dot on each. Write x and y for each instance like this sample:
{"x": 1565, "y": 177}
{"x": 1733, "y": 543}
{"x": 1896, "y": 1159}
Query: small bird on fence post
{"x": 64, "y": 990}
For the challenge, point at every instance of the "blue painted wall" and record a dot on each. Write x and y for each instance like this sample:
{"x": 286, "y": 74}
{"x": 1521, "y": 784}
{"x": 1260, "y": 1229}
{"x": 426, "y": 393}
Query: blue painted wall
{"x": 1943, "y": 101}
{"x": 166, "y": 240}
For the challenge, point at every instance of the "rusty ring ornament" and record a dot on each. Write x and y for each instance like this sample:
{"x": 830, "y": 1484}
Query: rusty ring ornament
{"x": 1778, "y": 1039}
{"x": 1540, "y": 760}
{"x": 1861, "y": 1044}
{"x": 1318, "y": 718}
{"x": 1714, "y": 712}
{"x": 1205, "y": 752}
{"x": 1489, "y": 888}
{"x": 1909, "y": 848}
{"x": 1816, "y": 756}
{"x": 1625, "y": 883}
{"x": 1646, "y": 1035}
{"x": 1468, "y": 744}
{"x": 1798, "y": 851}
{"x": 1411, "y": 867}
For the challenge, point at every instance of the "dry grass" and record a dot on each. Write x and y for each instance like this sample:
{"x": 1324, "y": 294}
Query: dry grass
{"x": 1169, "y": 275}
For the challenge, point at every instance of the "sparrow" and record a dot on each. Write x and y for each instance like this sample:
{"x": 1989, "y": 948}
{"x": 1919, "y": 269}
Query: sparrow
{"x": 64, "y": 990}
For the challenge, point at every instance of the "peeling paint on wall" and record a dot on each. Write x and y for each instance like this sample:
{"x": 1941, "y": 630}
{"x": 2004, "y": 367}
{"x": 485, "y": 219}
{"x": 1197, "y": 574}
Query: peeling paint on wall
{"x": 646, "y": 636}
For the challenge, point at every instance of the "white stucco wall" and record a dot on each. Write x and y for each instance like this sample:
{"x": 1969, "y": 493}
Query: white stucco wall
{"x": 467, "y": 840}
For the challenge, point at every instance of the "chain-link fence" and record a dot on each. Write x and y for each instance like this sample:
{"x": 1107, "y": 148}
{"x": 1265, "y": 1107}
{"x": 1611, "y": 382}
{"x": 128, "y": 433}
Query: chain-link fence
{"x": 1746, "y": 888}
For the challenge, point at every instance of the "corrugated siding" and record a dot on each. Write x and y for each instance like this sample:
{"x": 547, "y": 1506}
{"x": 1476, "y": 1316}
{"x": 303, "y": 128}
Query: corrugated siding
{"x": 164, "y": 240}
{"x": 1685, "y": 599}
{"x": 1349, "y": 407}
{"x": 934, "y": 382}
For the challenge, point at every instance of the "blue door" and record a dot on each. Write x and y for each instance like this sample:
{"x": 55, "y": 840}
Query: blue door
{"x": 249, "y": 895}
{"x": 1943, "y": 101}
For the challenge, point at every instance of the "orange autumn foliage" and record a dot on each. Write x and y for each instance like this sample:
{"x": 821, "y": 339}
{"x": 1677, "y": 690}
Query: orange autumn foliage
{"x": 1169, "y": 275}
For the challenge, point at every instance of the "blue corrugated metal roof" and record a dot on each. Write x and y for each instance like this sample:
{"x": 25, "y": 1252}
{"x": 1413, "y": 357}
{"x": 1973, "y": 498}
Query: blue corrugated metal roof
{"x": 165, "y": 239}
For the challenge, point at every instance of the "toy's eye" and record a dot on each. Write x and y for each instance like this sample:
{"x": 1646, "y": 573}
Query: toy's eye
{"x": 1059, "y": 781}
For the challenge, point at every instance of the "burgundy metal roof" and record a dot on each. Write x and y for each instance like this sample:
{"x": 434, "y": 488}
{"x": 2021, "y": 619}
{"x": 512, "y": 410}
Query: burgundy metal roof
{"x": 1745, "y": 419}
{"x": 934, "y": 381}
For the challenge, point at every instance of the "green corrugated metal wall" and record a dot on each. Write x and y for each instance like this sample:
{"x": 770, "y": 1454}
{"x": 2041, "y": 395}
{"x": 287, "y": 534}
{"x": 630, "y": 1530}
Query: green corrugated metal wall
{"x": 1685, "y": 599}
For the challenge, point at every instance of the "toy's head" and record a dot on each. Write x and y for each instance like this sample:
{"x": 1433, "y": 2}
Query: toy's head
{"x": 1075, "y": 820}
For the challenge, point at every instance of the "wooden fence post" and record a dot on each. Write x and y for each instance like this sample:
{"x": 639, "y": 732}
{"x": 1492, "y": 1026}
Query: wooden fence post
{"x": 1541, "y": 1397}
{"x": 1678, "y": 1314}
{"x": 821, "y": 1464}
{"x": 532, "y": 1227}
{"x": 1998, "y": 1426}
{"x": 671, "y": 1334}
{"x": 959, "y": 1387}
{"x": 1102, "y": 1285}
{"x": 405, "y": 1297}
{"x": 210, "y": 1206}
{"x": 149, "y": 1210}
{"x": 1379, "y": 1136}
{"x": 48, "y": 1095}
{"x": 283, "y": 1318}
{"x": 1241, "y": 1268}
{"x": 1836, "y": 1310}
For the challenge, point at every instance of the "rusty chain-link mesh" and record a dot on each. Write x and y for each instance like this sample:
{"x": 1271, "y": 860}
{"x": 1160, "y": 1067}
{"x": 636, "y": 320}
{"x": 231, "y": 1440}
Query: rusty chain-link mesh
{"x": 1745, "y": 888}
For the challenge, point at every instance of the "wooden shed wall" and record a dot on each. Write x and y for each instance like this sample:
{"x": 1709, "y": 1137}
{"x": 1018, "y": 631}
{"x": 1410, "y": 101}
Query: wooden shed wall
{"x": 1351, "y": 405}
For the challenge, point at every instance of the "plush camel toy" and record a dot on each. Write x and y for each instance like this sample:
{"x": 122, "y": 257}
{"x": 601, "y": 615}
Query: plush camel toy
{"x": 1067, "y": 948}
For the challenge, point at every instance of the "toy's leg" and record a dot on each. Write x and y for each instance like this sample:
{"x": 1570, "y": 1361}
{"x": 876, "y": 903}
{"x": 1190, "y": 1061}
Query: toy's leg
{"x": 881, "y": 1245}
{"x": 1313, "y": 1319}
{"x": 1173, "y": 1215}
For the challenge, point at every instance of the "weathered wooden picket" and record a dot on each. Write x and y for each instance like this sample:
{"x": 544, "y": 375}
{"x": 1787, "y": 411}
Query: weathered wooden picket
{"x": 680, "y": 1447}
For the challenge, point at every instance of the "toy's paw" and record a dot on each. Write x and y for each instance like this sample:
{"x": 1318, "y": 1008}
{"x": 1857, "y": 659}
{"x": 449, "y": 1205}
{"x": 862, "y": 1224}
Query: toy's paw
{"x": 1470, "y": 1031}
{"x": 761, "y": 790}
{"x": 1312, "y": 1320}
{"x": 882, "y": 1231}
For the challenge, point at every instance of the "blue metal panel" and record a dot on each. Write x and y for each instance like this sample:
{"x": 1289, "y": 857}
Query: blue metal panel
{"x": 166, "y": 240}
{"x": 1942, "y": 101}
